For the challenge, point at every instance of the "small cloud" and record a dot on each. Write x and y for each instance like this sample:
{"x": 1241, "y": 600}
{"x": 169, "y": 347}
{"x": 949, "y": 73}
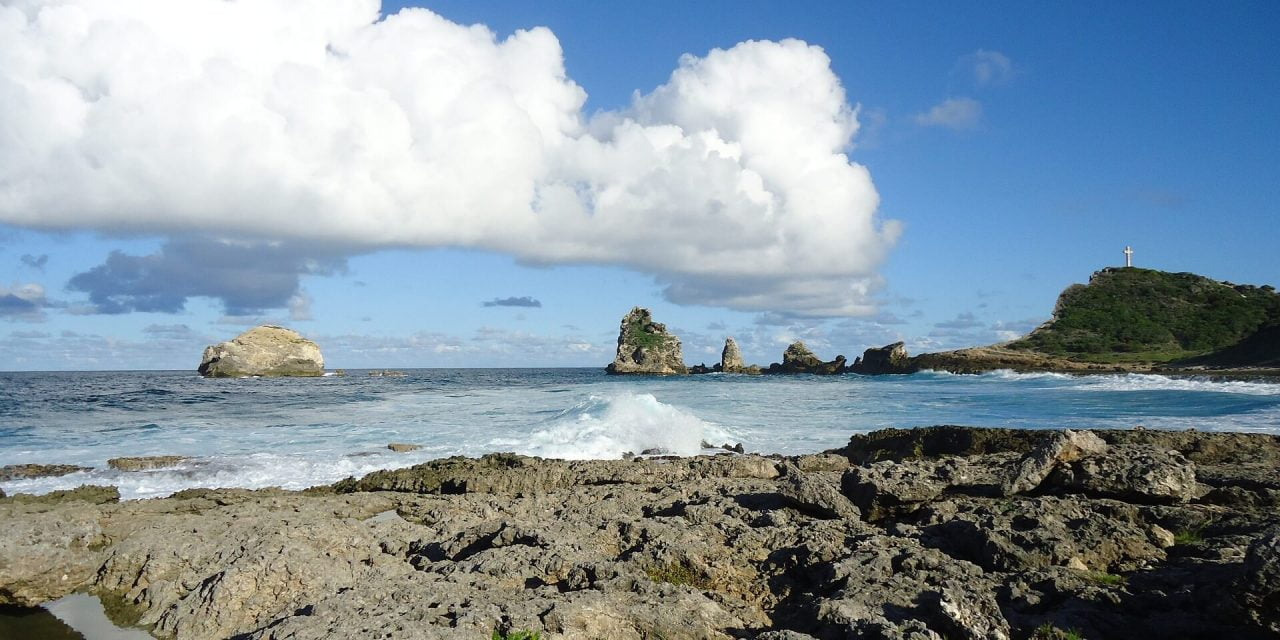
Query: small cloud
{"x": 300, "y": 307}
{"x": 25, "y": 302}
{"x": 964, "y": 320}
{"x": 169, "y": 332}
{"x": 35, "y": 262}
{"x": 986, "y": 68}
{"x": 953, "y": 113}
{"x": 717, "y": 326}
{"x": 1162, "y": 198}
{"x": 522, "y": 301}
{"x": 29, "y": 335}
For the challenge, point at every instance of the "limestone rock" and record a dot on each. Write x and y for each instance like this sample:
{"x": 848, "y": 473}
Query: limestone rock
{"x": 809, "y": 492}
{"x": 1133, "y": 473}
{"x": 267, "y": 350}
{"x": 401, "y": 447}
{"x": 798, "y": 358}
{"x": 891, "y": 358}
{"x": 731, "y": 359}
{"x": 1067, "y": 446}
{"x": 144, "y": 463}
{"x": 1260, "y": 585}
{"x": 645, "y": 347}
{"x": 27, "y": 471}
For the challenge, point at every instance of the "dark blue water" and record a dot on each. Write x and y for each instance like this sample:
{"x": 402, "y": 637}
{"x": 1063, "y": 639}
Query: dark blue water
{"x": 300, "y": 432}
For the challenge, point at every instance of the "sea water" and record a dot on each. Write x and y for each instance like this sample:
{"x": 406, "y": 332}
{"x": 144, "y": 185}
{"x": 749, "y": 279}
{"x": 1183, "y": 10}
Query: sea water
{"x": 300, "y": 432}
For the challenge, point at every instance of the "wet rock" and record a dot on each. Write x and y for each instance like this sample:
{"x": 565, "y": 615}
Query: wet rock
{"x": 387, "y": 373}
{"x": 267, "y": 350}
{"x": 145, "y": 463}
{"x": 27, "y": 471}
{"x": 1062, "y": 447}
{"x": 932, "y": 442}
{"x": 645, "y": 347}
{"x": 1134, "y": 473}
{"x": 401, "y": 447}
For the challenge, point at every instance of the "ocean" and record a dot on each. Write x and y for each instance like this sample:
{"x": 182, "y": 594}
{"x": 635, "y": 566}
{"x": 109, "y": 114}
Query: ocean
{"x": 299, "y": 432}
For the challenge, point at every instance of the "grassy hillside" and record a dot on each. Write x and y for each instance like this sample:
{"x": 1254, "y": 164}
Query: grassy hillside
{"x": 1154, "y": 316}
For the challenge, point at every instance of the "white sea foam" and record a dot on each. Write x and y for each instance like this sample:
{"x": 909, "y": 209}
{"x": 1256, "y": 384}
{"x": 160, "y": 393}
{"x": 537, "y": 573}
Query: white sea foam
{"x": 1150, "y": 382}
{"x": 607, "y": 426}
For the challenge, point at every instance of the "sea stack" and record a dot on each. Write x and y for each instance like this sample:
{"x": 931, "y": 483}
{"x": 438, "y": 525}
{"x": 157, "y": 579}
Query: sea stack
{"x": 798, "y": 358}
{"x": 731, "y": 359}
{"x": 891, "y": 358}
{"x": 645, "y": 347}
{"x": 267, "y": 350}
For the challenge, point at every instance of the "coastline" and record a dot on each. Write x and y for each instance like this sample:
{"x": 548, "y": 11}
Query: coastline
{"x": 951, "y": 531}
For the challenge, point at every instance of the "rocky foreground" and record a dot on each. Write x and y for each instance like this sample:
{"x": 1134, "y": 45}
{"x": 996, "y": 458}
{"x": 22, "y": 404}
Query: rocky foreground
{"x": 947, "y": 532}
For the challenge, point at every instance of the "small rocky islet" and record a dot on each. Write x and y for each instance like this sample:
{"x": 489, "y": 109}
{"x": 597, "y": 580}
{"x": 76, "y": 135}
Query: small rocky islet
{"x": 941, "y": 532}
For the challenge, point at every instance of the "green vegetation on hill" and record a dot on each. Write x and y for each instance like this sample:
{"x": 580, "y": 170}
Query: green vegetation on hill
{"x": 1135, "y": 315}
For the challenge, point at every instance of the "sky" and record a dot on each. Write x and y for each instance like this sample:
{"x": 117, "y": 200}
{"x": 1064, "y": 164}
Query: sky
{"x": 492, "y": 184}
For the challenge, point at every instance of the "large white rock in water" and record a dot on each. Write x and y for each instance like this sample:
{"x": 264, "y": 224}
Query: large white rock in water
{"x": 263, "y": 351}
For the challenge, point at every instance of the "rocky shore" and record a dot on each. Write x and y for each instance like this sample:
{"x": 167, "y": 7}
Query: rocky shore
{"x": 944, "y": 532}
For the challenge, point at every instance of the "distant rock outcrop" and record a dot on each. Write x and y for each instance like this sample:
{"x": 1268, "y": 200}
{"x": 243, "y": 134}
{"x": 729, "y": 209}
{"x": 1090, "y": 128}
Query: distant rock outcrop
{"x": 891, "y": 358}
{"x": 267, "y": 350}
{"x": 798, "y": 358}
{"x": 645, "y": 347}
{"x": 731, "y": 360}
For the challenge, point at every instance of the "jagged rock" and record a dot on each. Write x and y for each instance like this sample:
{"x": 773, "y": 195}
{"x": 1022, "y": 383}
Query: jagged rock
{"x": 401, "y": 447}
{"x": 1260, "y": 585}
{"x": 1133, "y": 473}
{"x": 1021, "y": 534}
{"x": 1063, "y": 447}
{"x": 645, "y": 347}
{"x": 946, "y": 440}
{"x": 27, "y": 471}
{"x": 890, "y": 488}
{"x": 728, "y": 546}
{"x": 144, "y": 463}
{"x": 798, "y": 358}
{"x": 731, "y": 360}
{"x": 887, "y": 359}
{"x": 812, "y": 493}
{"x": 267, "y": 350}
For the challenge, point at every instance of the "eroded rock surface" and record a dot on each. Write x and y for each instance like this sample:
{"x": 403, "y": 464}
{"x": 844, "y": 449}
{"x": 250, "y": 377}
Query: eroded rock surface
{"x": 267, "y": 350}
{"x": 798, "y": 358}
{"x": 891, "y": 358}
{"x": 645, "y": 347}
{"x": 903, "y": 534}
{"x": 731, "y": 359}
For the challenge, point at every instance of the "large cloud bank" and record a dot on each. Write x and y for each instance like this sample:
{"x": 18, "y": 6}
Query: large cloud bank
{"x": 320, "y": 121}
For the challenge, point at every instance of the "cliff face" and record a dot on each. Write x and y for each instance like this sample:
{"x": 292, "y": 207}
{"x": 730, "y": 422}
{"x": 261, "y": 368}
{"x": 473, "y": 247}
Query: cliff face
{"x": 645, "y": 347}
{"x": 267, "y": 350}
{"x": 891, "y": 358}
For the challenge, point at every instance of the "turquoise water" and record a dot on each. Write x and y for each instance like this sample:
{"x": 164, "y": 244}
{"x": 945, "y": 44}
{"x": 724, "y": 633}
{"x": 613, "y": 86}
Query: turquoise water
{"x": 301, "y": 432}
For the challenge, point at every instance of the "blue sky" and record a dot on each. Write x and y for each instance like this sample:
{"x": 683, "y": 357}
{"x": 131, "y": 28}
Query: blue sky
{"x": 1018, "y": 146}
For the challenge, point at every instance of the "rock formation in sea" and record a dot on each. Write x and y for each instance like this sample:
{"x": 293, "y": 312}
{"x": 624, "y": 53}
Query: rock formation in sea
{"x": 267, "y": 350}
{"x": 731, "y": 359}
{"x": 891, "y": 358}
{"x": 798, "y": 358}
{"x": 942, "y": 532}
{"x": 645, "y": 347}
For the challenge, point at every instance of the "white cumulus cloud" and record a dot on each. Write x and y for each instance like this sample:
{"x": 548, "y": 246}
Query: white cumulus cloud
{"x": 323, "y": 121}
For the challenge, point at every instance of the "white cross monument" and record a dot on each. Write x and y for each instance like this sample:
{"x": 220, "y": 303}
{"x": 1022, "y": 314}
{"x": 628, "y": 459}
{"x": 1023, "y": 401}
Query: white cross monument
{"x": 1128, "y": 256}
